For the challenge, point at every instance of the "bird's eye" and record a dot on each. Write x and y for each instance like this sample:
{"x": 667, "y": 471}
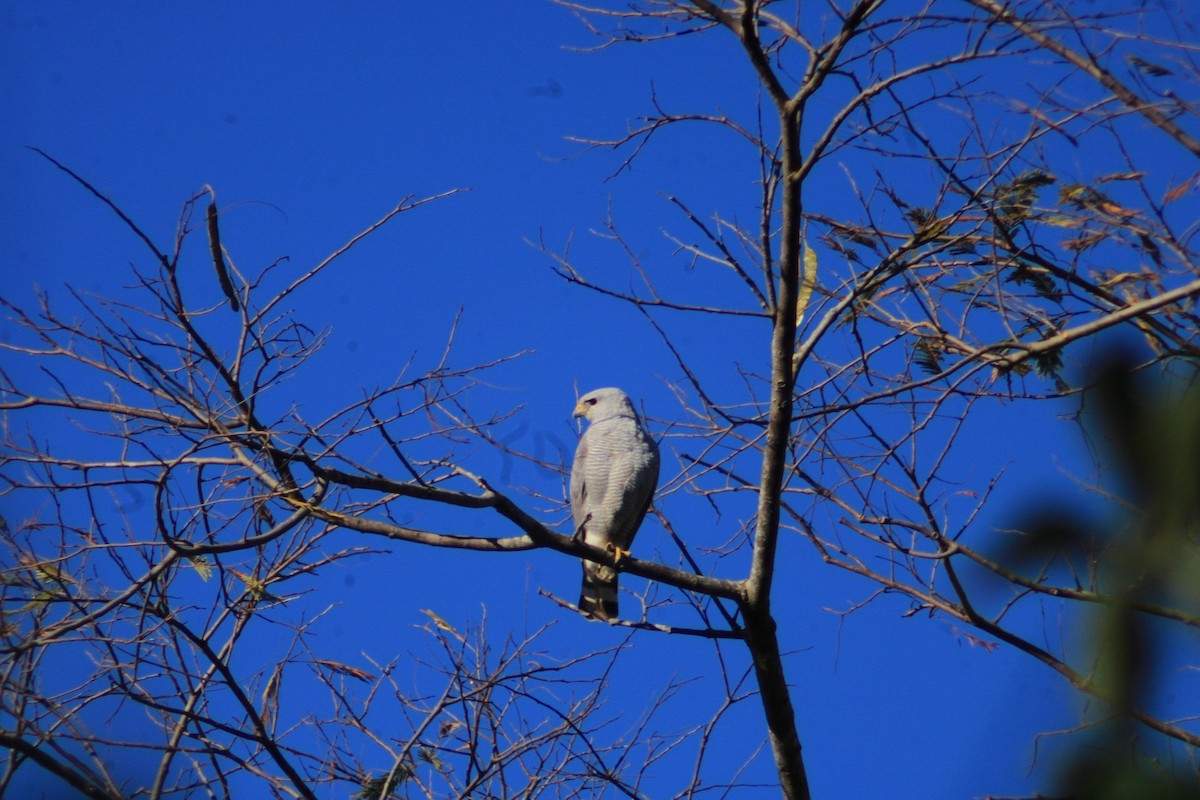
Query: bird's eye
{"x": 591, "y": 401}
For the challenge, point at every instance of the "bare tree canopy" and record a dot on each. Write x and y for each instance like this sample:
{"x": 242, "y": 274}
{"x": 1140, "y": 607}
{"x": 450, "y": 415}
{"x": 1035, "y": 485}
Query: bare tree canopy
{"x": 950, "y": 222}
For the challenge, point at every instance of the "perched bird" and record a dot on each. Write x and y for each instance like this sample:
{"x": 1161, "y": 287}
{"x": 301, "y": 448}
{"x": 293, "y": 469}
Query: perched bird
{"x": 612, "y": 483}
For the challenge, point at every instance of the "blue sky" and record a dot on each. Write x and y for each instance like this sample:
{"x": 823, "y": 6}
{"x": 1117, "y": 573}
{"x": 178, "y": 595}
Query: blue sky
{"x": 311, "y": 121}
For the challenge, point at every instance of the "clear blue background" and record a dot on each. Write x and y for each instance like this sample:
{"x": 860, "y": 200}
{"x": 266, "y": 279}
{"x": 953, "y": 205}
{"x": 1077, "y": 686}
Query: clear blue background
{"x": 311, "y": 121}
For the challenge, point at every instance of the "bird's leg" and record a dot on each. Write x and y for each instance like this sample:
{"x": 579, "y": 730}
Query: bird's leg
{"x": 578, "y": 536}
{"x": 618, "y": 554}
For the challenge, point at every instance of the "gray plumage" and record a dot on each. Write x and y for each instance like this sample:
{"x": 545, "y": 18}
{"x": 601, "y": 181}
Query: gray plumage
{"x": 612, "y": 483}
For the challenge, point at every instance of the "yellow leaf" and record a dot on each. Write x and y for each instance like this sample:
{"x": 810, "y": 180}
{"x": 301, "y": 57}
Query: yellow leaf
{"x": 270, "y": 697}
{"x": 202, "y": 567}
{"x": 441, "y": 623}
{"x": 345, "y": 669}
{"x": 46, "y": 570}
{"x": 807, "y": 281}
{"x": 257, "y": 589}
{"x": 1120, "y": 277}
{"x": 1117, "y": 211}
{"x": 1180, "y": 190}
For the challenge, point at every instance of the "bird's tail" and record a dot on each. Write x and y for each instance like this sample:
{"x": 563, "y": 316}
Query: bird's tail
{"x": 598, "y": 598}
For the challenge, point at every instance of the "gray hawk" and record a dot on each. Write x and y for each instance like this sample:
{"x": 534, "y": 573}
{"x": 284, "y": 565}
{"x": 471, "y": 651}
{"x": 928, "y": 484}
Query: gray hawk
{"x": 612, "y": 483}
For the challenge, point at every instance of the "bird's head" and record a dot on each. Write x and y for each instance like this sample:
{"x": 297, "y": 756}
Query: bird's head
{"x": 603, "y": 403}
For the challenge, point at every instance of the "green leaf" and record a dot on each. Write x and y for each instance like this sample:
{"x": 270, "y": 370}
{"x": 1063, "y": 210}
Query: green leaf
{"x": 1049, "y": 363}
{"x": 1150, "y": 248}
{"x": 920, "y": 217}
{"x": 383, "y": 786}
{"x": 1016, "y": 199}
{"x": 1038, "y": 279}
{"x": 927, "y": 354}
{"x": 430, "y": 757}
{"x": 1142, "y": 65}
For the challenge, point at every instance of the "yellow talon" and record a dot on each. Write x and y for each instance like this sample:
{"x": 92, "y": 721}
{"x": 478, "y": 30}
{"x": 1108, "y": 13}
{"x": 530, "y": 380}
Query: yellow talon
{"x": 618, "y": 553}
